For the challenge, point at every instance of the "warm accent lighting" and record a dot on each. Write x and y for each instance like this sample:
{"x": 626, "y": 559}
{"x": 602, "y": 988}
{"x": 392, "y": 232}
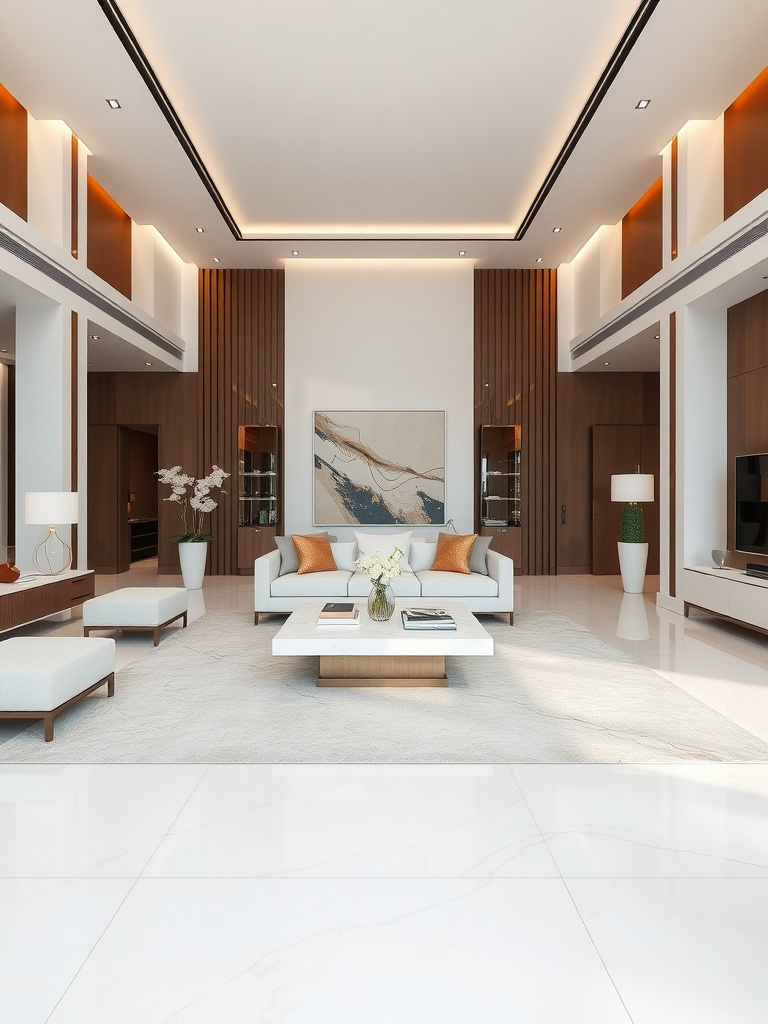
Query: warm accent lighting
{"x": 462, "y": 252}
{"x": 539, "y": 259}
{"x": 113, "y": 104}
{"x": 632, "y": 487}
{"x": 147, "y": 363}
{"x": 52, "y": 508}
{"x": 556, "y": 231}
{"x": 607, "y": 362}
{"x": 641, "y": 104}
{"x": 216, "y": 259}
{"x": 656, "y": 337}
{"x": 200, "y": 231}
{"x": 294, "y": 252}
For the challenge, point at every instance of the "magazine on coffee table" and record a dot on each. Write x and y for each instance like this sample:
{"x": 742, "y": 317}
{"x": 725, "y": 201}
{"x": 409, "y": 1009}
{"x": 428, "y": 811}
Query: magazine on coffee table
{"x": 427, "y": 618}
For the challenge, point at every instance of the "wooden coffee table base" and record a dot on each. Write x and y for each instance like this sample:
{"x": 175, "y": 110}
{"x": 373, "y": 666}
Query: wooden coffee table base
{"x": 382, "y": 670}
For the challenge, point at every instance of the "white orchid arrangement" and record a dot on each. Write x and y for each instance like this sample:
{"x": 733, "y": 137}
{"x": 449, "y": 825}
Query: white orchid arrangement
{"x": 378, "y": 568}
{"x": 196, "y": 505}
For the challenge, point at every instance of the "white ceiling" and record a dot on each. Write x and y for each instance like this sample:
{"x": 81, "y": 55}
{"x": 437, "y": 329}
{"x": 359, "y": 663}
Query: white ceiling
{"x": 342, "y": 125}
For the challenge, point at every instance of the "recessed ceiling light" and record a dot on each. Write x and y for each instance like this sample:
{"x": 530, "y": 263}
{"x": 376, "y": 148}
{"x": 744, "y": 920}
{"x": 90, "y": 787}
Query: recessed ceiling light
{"x": 641, "y": 104}
{"x": 556, "y": 231}
{"x": 216, "y": 259}
{"x": 462, "y": 252}
{"x": 200, "y": 231}
{"x": 539, "y": 259}
{"x": 3, "y": 349}
{"x": 95, "y": 337}
{"x": 607, "y": 362}
{"x": 113, "y": 104}
{"x": 274, "y": 385}
{"x": 656, "y": 337}
{"x": 487, "y": 385}
{"x": 294, "y": 252}
{"x": 147, "y": 363}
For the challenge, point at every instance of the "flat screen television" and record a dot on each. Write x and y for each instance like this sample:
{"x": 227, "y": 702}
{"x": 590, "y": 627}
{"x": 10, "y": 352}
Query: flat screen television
{"x": 752, "y": 503}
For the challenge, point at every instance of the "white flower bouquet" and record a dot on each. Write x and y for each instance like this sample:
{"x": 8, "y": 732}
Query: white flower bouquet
{"x": 196, "y": 505}
{"x": 378, "y": 568}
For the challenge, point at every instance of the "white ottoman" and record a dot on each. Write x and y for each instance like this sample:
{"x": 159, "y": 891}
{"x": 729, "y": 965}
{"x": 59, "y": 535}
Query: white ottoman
{"x": 136, "y": 608}
{"x": 41, "y": 676}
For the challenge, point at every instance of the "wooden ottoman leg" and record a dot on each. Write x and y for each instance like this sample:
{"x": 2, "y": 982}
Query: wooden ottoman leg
{"x": 184, "y": 621}
{"x": 86, "y": 630}
{"x": 48, "y": 719}
{"x": 255, "y": 618}
{"x": 111, "y": 684}
{"x": 511, "y": 618}
{"x": 156, "y": 633}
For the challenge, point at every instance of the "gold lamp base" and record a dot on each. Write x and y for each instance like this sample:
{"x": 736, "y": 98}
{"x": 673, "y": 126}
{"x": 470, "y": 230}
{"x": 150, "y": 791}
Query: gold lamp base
{"x": 51, "y": 552}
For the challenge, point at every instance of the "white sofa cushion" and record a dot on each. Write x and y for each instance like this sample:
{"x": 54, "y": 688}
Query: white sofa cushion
{"x": 457, "y": 584}
{"x": 406, "y": 585}
{"x": 371, "y": 543}
{"x": 311, "y": 584}
{"x": 422, "y": 554}
{"x": 344, "y": 555}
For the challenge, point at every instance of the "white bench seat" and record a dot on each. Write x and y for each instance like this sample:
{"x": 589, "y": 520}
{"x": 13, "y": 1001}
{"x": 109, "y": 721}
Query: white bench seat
{"x": 136, "y": 608}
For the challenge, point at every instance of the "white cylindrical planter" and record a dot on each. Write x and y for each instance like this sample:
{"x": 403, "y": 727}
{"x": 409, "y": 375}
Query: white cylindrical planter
{"x": 192, "y": 556}
{"x": 632, "y": 559}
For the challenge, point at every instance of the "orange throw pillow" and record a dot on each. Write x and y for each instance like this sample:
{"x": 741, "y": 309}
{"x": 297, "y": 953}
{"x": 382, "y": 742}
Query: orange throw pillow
{"x": 314, "y": 553}
{"x": 453, "y": 551}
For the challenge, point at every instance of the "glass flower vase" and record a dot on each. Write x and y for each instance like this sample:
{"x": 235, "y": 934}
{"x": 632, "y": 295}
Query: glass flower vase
{"x": 381, "y": 602}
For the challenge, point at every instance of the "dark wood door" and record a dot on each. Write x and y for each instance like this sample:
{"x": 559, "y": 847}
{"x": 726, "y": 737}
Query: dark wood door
{"x": 621, "y": 449}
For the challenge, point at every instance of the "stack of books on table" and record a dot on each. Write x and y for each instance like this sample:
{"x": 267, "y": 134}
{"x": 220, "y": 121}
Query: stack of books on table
{"x": 338, "y": 614}
{"x": 427, "y": 618}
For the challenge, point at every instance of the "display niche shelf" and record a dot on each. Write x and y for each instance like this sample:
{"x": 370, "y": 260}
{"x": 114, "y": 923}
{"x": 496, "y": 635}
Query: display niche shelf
{"x": 500, "y": 488}
{"x": 259, "y": 489}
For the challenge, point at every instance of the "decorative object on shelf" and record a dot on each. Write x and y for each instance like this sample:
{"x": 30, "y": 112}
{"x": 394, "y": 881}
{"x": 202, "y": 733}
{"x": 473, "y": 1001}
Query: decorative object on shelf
{"x": 9, "y": 573}
{"x": 193, "y": 542}
{"x": 632, "y": 488}
{"x": 258, "y": 483}
{"x": 381, "y": 569}
{"x": 52, "y": 508}
{"x": 720, "y": 557}
{"x": 379, "y": 468}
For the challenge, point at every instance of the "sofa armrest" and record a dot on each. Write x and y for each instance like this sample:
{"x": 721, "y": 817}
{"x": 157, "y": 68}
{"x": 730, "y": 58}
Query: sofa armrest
{"x": 502, "y": 569}
{"x": 265, "y": 569}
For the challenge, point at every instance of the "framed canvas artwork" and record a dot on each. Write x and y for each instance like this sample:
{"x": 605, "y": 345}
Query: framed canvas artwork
{"x": 379, "y": 468}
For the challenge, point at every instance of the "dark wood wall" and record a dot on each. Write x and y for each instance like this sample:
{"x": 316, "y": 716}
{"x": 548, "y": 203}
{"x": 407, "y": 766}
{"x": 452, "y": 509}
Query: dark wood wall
{"x": 167, "y": 400}
{"x": 515, "y": 373}
{"x": 745, "y": 171}
{"x": 241, "y": 372}
{"x": 583, "y": 401}
{"x": 641, "y": 240}
{"x": 747, "y": 395}
{"x": 109, "y": 238}
{"x": 13, "y": 154}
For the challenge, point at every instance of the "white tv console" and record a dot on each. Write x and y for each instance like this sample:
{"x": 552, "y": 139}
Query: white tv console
{"x": 729, "y": 593}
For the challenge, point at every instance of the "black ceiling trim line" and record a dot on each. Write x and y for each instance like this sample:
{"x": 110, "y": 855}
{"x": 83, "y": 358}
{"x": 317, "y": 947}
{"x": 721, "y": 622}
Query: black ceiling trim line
{"x": 605, "y": 81}
{"x": 133, "y": 49}
{"x": 609, "y": 74}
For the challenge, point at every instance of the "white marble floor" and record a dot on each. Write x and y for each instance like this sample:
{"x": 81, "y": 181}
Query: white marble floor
{"x": 385, "y": 894}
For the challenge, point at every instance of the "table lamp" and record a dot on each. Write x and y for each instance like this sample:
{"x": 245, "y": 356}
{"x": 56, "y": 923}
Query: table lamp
{"x": 632, "y": 488}
{"x": 52, "y": 508}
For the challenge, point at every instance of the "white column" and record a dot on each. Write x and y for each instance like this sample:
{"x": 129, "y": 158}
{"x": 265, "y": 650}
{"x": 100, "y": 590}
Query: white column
{"x": 665, "y": 425}
{"x": 49, "y": 174}
{"x": 43, "y": 403}
{"x": 3, "y": 462}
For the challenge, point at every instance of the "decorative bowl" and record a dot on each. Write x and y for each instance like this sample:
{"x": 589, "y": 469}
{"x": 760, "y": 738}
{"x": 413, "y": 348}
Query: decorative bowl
{"x": 720, "y": 558}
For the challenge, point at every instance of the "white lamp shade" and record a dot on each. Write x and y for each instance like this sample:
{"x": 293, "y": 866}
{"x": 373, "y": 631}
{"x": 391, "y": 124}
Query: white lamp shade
{"x": 50, "y": 508}
{"x": 632, "y": 487}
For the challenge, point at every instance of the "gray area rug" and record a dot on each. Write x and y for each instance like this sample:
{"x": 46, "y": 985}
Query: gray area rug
{"x": 553, "y": 692}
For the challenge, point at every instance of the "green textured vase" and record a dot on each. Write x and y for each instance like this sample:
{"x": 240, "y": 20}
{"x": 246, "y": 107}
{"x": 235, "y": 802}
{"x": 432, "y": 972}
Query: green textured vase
{"x": 381, "y": 602}
{"x": 632, "y": 531}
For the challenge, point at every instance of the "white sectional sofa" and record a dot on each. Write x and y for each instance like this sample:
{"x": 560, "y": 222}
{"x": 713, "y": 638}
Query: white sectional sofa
{"x": 491, "y": 593}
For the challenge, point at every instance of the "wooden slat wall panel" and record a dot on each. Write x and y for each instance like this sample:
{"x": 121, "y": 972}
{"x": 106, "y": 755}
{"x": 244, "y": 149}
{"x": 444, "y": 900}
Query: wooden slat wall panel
{"x": 747, "y": 388}
{"x": 745, "y": 169}
{"x": 109, "y": 239}
{"x": 241, "y": 358}
{"x": 515, "y": 375}
{"x": 641, "y": 240}
{"x": 13, "y": 154}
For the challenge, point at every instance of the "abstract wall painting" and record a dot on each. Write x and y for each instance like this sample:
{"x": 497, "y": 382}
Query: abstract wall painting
{"x": 379, "y": 468}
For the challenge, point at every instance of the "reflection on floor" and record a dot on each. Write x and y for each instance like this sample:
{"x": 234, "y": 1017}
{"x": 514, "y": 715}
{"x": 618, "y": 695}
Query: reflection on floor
{"x": 392, "y": 894}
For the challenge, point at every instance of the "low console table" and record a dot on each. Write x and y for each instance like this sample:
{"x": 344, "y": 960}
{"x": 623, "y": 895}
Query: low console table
{"x": 728, "y": 593}
{"x": 25, "y": 602}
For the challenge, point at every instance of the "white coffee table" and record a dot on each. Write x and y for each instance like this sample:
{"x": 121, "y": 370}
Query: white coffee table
{"x": 382, "y": 653}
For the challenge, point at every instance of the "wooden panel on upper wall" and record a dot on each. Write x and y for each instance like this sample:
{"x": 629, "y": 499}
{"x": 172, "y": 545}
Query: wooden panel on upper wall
{"x": 515, "y": 374}
{"x": 109, "y": 239}
{"x": 745, "y": 141}
{"x": 641, "y": 240}
{"x": 241, "y": 362}
{"x": 13, "y": 154}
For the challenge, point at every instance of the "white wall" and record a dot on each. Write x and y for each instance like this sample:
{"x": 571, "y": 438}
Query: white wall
{"x": 49, "y": 179}
{"x": 379, "y": 334}
{"x": 700, "y": 179}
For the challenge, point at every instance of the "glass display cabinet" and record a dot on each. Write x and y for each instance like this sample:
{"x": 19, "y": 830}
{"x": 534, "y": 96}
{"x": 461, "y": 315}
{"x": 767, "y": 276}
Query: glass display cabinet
{"x": 258, "y": 493}
{"x": 500, "y": 498}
